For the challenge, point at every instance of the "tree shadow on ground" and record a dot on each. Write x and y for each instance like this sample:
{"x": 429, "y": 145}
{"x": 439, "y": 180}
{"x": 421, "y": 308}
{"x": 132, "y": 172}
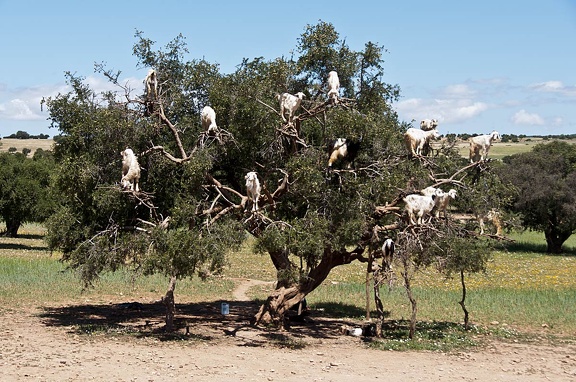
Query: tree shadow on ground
{"x": 202, "y": 321}
{"x": 538, "y": 248}
{"x": 27, "y": 236}
{"x": 22, "y": 247}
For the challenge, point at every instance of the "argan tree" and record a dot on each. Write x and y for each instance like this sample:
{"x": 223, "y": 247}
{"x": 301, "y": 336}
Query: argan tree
{"x": 193, "y": 206}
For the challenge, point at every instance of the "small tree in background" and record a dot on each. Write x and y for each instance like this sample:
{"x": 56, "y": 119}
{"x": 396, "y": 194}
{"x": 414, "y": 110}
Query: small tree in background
{"x": 545, "y": 179}
{"x": 24, "y": 189}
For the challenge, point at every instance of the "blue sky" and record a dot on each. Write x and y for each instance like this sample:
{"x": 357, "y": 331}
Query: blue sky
{"x": 476, "y": 66}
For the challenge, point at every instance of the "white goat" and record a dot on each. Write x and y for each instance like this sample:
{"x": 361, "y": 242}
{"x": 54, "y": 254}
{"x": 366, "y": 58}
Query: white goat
{"x": 480, "y": 145}
{"x": 416, "y": 139}
{"x": 151, "y": 82}
{"x": 419, "y": 206}
{"x": 130, "y": 170}
{"x": 208, "y": 119}
{"x": 387, "y": 254}
{"x": 289, "y": 103}
{"x": 444, "y": 200}
{"x": 428, "y": 124}
{"x": 333, "y": 87}
{"x": 253, "y": 188}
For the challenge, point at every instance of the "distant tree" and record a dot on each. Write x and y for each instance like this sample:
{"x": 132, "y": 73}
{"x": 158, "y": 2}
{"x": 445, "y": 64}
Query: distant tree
{"x": 24, "y": 190}
{"x": 546, "y": 182}
{"x": 12, "y": 150}
{"x": 22, "y": 135}
{"x": 26, "y": 151}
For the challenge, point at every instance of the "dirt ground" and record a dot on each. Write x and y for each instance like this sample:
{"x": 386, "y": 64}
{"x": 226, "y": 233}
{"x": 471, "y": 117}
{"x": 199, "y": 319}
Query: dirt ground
{"x": 64, "y": 343}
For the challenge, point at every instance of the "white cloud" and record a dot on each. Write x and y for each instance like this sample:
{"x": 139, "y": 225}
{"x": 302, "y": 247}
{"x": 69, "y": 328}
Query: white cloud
{"x": 23, "y": 104}
{"x": 458, "y": 90}
{"x": 522, "y": 117}
{"x": 19, "y": 110}
{"x": 558, "y": 121}
{"x": 556, "y": 87}
{"x": 444, "y": 110}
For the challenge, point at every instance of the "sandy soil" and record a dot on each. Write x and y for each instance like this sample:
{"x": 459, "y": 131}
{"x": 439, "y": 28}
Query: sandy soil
{"x": 45, "y": 344}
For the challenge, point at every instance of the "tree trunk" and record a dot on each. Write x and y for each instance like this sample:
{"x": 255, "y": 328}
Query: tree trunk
{"x": 462, "y": 302}
{"x": 413, "y": 303}
{"x": 12, "y": 227}
{"x": 368, "y": 273}
{"x": 555, "y": 238}
{"x": 272, "y": 312}
{"x": 168, "y": 301}
{"x": 288, "y": 293}
{"x": 379, "y": 307}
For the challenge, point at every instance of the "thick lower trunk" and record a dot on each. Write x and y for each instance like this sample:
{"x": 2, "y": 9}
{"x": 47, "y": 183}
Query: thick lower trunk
{"x": 168, "y": 301}
{"x": 289, "y": 292}
{"x": 12, "y": 227}
{"x": 273, "y": 311}
{"x": 555, "y": 239}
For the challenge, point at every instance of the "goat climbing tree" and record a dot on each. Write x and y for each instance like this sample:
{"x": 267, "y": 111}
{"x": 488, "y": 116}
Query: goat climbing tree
{"x": 193, "y": 201}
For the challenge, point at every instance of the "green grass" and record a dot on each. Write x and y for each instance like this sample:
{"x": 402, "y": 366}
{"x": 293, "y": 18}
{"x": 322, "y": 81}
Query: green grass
{"x": 523, "y": 291}
{"x": 31, "y": 275}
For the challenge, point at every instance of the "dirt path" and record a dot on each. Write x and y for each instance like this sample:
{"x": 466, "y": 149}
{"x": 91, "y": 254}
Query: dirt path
{"x": 244, "y": 285}
{"x": 45, "y": 344}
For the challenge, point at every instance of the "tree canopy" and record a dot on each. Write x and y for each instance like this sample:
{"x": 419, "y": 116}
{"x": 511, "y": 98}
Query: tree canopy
{"x": 192, "y": 207}
{"x": 25, "y": 194}
{"x": 546, "y": 182}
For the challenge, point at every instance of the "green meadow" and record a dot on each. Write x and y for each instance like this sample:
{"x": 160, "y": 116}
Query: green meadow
{"x": 523, "y": 288}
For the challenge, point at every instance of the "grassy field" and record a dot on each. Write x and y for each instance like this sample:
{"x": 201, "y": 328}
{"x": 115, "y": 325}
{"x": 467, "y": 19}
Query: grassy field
{"x": 521, "y": 289}
{"x": 19, "y": 144}
{"x": 524, "y": 289}
{"x": 499, "y": 150}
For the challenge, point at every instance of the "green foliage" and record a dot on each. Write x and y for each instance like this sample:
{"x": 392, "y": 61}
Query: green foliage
{"x": 24, "y": 189}
{"x": 458, "y": 254}
{"x": 320, "y": 213}
{"x": 182, "y": 252}
{"x": 545, "y": 179}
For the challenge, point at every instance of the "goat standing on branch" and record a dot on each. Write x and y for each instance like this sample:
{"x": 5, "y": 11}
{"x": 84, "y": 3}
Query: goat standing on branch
{"x": 416, "y": 139}
{"x": 480, "y": 145}
{"x": 344, "y": 150}
{"x": 208, "y": 118}
{"x": 387, "y": 254}
{"x": 428, "y": 124}
{"x": 253, "y": 188}
{"x": 289, "y": 104}
{"x": 333, "y": 87}
{"x": 130, "y": 170}
{"x": 443, "y": 199}
{"x": 420, "y": 206}
{"x": 151, "y": 83}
